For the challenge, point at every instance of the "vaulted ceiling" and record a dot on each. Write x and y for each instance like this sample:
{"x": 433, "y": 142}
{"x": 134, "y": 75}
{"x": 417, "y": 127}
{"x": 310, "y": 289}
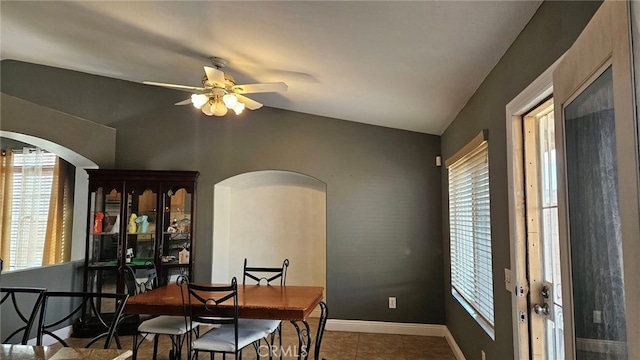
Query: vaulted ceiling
{"x": 407, "y": 65}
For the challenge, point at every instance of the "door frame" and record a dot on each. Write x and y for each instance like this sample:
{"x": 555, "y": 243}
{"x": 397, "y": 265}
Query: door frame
{"x": 587, "y": 57}
{"x": 532, "y": 95}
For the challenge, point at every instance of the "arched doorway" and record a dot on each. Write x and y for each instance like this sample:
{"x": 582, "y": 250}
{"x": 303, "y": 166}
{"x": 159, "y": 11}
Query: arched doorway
{"x": 267, "y": 216}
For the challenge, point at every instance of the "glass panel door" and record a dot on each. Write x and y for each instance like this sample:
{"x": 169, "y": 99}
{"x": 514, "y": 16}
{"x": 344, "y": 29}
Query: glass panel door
{"x": 543, "y": 256}
{"x": 594, "y": 222}
{"x": 550, "y": 242}
{"x": 598, "y": 190}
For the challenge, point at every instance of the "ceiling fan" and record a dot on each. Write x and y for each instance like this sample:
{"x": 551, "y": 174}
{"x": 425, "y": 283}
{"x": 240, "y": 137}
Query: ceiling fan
{"x": 219, "y": 91}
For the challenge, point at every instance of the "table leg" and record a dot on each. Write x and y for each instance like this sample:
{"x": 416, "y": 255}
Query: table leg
{"x": 304, "y": 334}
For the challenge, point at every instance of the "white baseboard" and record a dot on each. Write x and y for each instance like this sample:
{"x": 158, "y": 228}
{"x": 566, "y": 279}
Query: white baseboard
{"x": 63, "y": 333}
{"x": 381, "y": 327}
{"x": 454, "y": 345}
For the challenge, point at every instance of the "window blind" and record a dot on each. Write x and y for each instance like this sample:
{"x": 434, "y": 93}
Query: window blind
{"x": 32, "y": 178}
{"x": 470, "y": 229}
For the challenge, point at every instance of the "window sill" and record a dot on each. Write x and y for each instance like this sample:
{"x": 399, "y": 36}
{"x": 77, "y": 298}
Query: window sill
{"x": 488, "y": 328}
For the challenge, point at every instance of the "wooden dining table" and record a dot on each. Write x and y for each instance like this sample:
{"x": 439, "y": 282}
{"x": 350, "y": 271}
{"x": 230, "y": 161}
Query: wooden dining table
{"x": 289, "y": 303}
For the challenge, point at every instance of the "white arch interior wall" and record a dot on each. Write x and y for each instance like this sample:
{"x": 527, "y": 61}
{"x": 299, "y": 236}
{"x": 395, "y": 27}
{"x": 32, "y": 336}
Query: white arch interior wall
{"x": 267, "y": 216}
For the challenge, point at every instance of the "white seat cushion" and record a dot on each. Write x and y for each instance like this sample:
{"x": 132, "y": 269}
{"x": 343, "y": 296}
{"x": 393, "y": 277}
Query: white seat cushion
{"x": 222, "y": 339}
{"x": 169, "y": 325}
{"x": 266, "y": 326}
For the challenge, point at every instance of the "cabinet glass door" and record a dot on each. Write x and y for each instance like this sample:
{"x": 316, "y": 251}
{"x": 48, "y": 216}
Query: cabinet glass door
{"x": 176, "y": 236}
{"x": 103, "y": 250}
{"x": 105, "y": 210}
{"x": 141, "y": 227}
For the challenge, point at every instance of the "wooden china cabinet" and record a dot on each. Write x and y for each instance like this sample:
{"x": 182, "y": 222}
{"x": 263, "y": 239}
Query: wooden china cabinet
{"x": 141, "y": 219}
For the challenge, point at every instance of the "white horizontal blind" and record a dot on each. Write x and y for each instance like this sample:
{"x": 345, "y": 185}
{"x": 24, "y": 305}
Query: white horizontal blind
{"x": 32, "y": 179}
{"x": 470, "y": 227}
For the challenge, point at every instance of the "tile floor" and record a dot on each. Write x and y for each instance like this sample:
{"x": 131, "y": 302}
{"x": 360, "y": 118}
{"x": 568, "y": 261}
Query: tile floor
{"x": 335, "y": 346}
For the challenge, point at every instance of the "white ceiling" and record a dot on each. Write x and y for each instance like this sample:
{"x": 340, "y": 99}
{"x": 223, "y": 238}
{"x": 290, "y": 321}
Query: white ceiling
{"x": 407, "y": 65}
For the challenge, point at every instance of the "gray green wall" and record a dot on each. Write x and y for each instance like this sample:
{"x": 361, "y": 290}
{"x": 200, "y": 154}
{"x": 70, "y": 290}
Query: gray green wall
{"x": 62, "y": 277}
{"x": 20, "y": 118}
{"x": 551, "y": 31}
{"x": 386, "y": 201}
{"x": 383, "y": 188}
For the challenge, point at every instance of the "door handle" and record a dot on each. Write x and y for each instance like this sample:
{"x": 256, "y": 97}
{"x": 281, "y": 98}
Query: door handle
{"x": 541, "y": 309}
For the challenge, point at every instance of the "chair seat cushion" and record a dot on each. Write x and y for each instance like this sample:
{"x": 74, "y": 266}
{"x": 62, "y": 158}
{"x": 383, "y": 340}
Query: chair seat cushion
{"x": 169, "y": 325}
{"x": 266, "y": 326}
{"x": 223, "y": 339}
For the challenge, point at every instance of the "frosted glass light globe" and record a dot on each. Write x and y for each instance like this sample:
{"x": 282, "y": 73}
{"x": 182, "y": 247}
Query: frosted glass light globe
{"x": 238, "y": 108}
{"x": 230, "y": 100}
{"x": 198, "y": 100}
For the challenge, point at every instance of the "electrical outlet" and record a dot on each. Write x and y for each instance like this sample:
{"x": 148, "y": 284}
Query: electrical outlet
{"x": 507, "y": 279}
{"x": 392, "y": 302}
{"x": 597, "y": 317}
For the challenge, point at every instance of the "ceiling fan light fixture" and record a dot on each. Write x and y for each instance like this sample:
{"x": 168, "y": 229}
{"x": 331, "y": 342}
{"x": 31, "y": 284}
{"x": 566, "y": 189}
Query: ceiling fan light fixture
{"x": 229, "y": 80}
{"x": 207, "y": 109}
{"x": 230, "y": 100}
{"x": 198, "y": 100}
{"x": 238, "y": 107}
{"x": 218, "y": 107}
{"x": 219, "y": 92}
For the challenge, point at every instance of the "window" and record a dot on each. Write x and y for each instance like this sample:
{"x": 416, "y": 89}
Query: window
{"x": 36, "y": 216}
{"x": 470, "y": 230}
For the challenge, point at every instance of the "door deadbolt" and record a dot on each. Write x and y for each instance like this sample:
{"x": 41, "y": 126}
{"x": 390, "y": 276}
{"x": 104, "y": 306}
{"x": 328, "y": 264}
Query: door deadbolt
{"x": 545, "y": 292}
{"x": 541, "y": 309}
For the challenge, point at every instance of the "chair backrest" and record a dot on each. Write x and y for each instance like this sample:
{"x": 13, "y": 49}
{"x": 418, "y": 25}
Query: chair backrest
{"x": 267, "y": 274}
{"x": 130, "y": 283}
{"x": 85, "y": 310}
{"x": 25, "y": 303}
{"x": 134, "y": 287}
{"x": 209, "y": 304}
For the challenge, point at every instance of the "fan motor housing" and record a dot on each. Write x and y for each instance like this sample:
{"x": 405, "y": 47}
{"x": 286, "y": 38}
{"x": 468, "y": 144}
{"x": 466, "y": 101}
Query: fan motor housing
{"x": 219, "y": 62}
{"x": 229, "y": 81}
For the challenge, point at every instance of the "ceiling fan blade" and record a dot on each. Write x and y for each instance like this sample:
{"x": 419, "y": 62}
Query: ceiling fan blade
{"x": 174, "y": 86}
{"x": 184, "y": 102}
{"x": 215, "y": 76}
{"x": 249, "y": 103}
{"x": 260, "y": 88}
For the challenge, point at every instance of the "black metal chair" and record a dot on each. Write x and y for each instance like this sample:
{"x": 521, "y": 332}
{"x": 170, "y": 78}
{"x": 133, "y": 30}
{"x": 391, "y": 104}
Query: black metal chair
{"x": 207, "y": 304}
{"x": 132, "y": 283}
{"x": 259, "y": 273}
{"x": 25, "y": 302}
{"x": 55, "y": 313}
{"x": 173, "y": 326}
{"x": 267, "y": 275}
